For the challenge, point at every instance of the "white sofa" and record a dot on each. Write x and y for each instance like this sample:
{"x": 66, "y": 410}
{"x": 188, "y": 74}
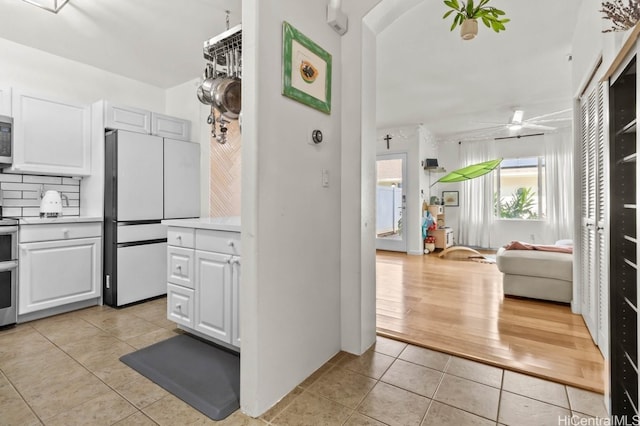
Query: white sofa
{"x": 536, "y": 274}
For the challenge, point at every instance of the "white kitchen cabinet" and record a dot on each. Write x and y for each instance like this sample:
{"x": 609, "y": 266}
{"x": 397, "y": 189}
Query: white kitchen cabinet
{"x": 170, "y": 127}
{"x": 51, "y": 137}
{"x": 127, "y": 118}
{"x": 203, "y": 282}
{"x": 58, "y": 272}
{"x": 5, "y": 101}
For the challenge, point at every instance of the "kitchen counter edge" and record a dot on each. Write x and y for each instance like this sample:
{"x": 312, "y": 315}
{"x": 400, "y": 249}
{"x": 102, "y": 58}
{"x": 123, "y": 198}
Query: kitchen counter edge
{"x": 231, "y": 224}
{"x": 54, "y": 220}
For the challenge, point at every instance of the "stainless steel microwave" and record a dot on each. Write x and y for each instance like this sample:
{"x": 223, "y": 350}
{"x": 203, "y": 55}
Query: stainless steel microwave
{"x": 6, "y": 141}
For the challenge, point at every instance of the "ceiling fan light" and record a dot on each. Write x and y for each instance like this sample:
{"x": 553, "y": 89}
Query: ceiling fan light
{"x": 518, "y": 115}
{"x": 515, "y": 126}
{"x": 50, "y": 5}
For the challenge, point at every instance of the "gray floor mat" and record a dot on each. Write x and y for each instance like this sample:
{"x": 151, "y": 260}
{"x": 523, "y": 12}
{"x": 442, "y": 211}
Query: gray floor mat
{"x": 203, "y": 375}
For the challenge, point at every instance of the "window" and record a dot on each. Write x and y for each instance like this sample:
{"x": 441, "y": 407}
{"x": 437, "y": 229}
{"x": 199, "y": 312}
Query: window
{"x": 520, "y": 186}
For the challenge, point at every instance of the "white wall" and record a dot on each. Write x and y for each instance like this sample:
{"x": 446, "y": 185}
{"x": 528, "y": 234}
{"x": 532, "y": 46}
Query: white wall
{"x": 291, "y": 225}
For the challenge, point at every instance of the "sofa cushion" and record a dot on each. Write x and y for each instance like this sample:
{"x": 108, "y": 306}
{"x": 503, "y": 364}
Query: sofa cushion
{"x": 536, "y": 263}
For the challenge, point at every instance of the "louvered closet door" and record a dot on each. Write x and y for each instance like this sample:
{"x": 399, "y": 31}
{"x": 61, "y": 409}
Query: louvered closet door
{"x": 593, "y": 208}
{"x": 602, "y": 231}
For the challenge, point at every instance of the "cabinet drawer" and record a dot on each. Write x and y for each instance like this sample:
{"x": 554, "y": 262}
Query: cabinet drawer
{"x": 218, "y": 241}
{"x": 180, "y": 305}
{"x": 180, "y": 267}
{"x": 180, "y": 237}
{"x": 62, "y": 231}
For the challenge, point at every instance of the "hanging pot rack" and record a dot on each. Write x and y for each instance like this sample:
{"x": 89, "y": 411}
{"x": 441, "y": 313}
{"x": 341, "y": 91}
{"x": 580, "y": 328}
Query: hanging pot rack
{"x": 216, "y": 48}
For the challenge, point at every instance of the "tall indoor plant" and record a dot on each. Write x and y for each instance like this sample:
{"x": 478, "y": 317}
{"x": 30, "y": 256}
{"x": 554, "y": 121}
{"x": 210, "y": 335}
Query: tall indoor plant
{"x": 467, "y": 15}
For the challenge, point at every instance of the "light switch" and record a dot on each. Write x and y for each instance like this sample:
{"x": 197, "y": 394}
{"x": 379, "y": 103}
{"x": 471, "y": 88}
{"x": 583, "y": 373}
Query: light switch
{"x": 325, "y": 178}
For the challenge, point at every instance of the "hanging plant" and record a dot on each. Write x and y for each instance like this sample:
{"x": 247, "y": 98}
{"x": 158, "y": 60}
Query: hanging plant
{"x": 490, "y": 16}
{"x": 622, "y": 17}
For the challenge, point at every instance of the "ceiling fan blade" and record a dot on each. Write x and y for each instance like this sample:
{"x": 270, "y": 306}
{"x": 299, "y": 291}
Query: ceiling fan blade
{"x": 537, "y": 126}
{"x": 551, "y": 114}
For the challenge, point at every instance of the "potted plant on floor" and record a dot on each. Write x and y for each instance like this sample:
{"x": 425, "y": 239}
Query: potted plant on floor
{"x": 467, "y": 15}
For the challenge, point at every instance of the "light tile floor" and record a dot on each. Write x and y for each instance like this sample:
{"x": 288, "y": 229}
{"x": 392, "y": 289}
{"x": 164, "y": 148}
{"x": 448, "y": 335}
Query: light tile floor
{"x": 65, "y": 370}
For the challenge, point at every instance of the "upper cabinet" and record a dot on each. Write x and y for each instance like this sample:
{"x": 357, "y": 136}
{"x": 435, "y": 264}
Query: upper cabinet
{"x": 127, "y": 118}
{"x": 170, "y": 127}
{"x": 51, "y": 137}
{"x": 142, "y": 121}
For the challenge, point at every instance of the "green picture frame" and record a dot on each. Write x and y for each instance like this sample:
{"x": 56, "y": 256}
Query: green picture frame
{"x": 306, "y": 70}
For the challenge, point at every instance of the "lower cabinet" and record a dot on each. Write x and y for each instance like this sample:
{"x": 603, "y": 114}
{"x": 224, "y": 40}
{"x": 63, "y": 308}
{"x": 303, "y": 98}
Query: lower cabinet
{"x": 55, "y": 273}
{"x": 443, "y": 236}
{"x": 203, "y": 286}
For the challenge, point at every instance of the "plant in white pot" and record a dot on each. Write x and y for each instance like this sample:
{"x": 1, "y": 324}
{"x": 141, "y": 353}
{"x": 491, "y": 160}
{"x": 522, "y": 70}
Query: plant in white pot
{"x": 467, "y": 15}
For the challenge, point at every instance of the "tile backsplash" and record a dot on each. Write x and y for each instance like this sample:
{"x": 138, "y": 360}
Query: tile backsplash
{"x": 21, "y": 194}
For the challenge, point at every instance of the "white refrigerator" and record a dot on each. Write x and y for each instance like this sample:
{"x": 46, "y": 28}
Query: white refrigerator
{"x": 147, "y": 178}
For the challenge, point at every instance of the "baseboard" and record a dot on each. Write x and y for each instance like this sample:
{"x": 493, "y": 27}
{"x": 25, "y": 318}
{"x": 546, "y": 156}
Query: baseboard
{"x": 415, "y": 253}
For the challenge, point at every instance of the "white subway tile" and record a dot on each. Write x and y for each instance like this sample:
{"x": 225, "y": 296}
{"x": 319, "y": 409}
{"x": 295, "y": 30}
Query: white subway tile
{"x": 71, "y": 211}
{"x": 62, "y": 188}
{"x": 21, "y": 203}
{"x": 42, "y": 179}
{"x": 11, "y": 194}
{"x": 30, "y": 212}
{"x": 12, "y": 211}
{"x": 31, "y": 195}
{"x": 4, "y": 177}
{"x": 21, "y": 186}
{"x": 71, "y": 181}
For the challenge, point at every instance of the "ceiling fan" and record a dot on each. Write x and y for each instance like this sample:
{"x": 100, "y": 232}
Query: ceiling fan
{"x": 540, "y": 122}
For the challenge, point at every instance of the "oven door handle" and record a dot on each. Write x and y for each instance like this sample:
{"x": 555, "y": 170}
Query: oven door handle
{"x": 8, "y": 266}
{"x": 5, "y": 230}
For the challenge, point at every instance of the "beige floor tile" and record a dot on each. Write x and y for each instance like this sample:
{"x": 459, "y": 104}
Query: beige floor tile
{"x": 49, "y": 400}
{"x": 17, "y": 343}
{"x": 469, "y": 396}
{"x": 440, "y": 414}
{"x": 343, "y": 386}
{"x": 134, "y": 327}
{"x": 311, "y": 409}
{"x": 281, "y": 405}
{"x": 394, "y": 406}
{"x": 172, "y": 411}
{"x": 475, "y": 371}
{"x": 586, "y": 402}
{"x": 337, "y": 357}
{"x": 28, "y": 368}
{"x": 136, "y": 419}
{"x": 148, "y": 339}
{"x": 239, "y": 419}
{"x": 358, "y": 419}
{"x": 116, "y": 373}
{"x": 141, "y": 392}
{"x": 533, "y": 387}
{"x": 389, "y": 347}
{"x": 413, "y": 377}
{"x": 425, "y": 357}
{"x": 371, "y": 363}
{"x": 61, "y": 329}
{"x": 103, "y": 410}
{"x": 13, "y": 409}
{"x": 316, "y": 375}
{"x": 163, "y": 322}
{"x": 586, "y": 419}
{"x": 98, "y": 350}
{"x": 518, "y": 410}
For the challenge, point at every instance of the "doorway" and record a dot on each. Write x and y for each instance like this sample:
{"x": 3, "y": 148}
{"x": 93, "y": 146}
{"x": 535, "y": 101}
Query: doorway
{"x": 391, "y": 177}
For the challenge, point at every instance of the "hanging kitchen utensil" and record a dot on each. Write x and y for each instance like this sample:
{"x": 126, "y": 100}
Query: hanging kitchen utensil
{"x": 222, "y": 137}
{"x": 228, "y": 96}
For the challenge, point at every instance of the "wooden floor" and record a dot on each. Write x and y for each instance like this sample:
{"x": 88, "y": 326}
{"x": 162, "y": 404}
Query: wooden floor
{"x": 457, "y": 306}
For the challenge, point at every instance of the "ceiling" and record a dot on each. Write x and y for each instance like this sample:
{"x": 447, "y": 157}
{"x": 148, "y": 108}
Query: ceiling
{"x": 427, "y": 74}
{"x": 156, "y": 41}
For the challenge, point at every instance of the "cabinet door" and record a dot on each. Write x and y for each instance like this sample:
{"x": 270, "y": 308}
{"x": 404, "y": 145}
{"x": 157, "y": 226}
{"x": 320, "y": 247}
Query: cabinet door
{"x": 181, "y": 179}
{"x": 170, "y": 127}
{"x": 235, "y": 290}
{"x": 213, "y": 295}
{"x": 51, "y": 137}
{"x": 55, "y": 273}
{"x": 127, "y": 118}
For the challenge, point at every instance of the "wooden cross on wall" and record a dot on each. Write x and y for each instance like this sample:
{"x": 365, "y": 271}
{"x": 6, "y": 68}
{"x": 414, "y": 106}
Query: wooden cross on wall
{"x": 388, "y": 139}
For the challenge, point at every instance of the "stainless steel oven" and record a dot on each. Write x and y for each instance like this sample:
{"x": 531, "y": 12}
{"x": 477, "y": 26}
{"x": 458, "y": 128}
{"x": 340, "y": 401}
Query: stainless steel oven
{"x": 8, "y": 271}
{"x": 6, "y": 141}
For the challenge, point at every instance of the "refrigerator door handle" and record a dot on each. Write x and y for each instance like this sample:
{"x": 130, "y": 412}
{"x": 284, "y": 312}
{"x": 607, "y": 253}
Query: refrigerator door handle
{"x": 142, "y": 243}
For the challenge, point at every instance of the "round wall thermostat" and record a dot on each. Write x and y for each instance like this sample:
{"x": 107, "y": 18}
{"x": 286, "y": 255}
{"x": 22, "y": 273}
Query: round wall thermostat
{"x": 316, "y": 136}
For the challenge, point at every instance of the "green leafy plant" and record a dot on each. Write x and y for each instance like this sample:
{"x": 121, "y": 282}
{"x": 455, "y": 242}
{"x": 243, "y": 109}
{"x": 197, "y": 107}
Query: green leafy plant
{"x": 490, "y": 16}
{"x": 520, "y": 205}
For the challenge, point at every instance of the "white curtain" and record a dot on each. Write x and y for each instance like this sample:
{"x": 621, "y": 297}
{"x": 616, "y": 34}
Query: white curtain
{"x": 559, "y": 185}
{"x": 476, "y": 198}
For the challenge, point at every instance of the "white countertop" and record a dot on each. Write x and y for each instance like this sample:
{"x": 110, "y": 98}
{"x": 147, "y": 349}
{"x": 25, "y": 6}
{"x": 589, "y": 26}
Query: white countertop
{"x": 230, "y": 223}
{"x": 62, "y": 219}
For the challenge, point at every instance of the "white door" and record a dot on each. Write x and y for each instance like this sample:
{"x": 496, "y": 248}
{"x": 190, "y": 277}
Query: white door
{"x": 142, "y": 272}
{"x": 213, "y": 295}
{"x": 391, "y": 178}
{"x": 181, "y": 179}
{"x": 55, "y": 273}
{"x": 139, "y": 176}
